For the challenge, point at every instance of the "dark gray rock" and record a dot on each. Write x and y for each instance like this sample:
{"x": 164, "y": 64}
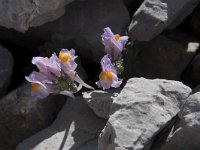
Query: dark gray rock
{"x": 80, "y": 28}
{"x": 185, "y": 133}
{"x": 22, "y": 115}
{"x": 76, "y": 127}
{"x": 140, "y": 111}
{"x": 153, "y": 17}
{"x": 165, "y": 57}
{"x": 6, "y": 69}
{"x": 194, "y": 22}
{"x": 100, "y": 101}
{"x": 22, "y": 14}
{"x": 192, "y": 74}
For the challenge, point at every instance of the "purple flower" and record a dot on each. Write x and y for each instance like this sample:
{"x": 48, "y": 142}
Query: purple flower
{"x": 67, "y": 59}
{"x": 38, "y": 81}
{"x": 114, "y": 44}
{"x": 56, "y": 75}
{"x": 108, "y": 76}
{"x": 68, "y": 65}
{"x": 48, "y": 66}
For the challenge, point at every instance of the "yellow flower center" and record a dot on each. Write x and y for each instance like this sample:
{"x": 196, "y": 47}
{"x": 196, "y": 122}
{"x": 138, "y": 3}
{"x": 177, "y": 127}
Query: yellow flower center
{"x": 64, "y": 57}
{"x": 34, "y": 86}
{"x": 117, "y": 36}
{"x": 46, "y": 58}
{"x": 106, "y": 76}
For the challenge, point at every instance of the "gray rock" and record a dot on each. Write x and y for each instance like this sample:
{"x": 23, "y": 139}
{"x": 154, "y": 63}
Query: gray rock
{"x": 22, "y": 14}
{"x": 192, "y": 73}
{"x": 185, "y": 134}
{"x": 140, "y": 111}
{"x": 6, "y": 69}
{"x": 80, "y": 28}
{"x": 164, "y": 57}
{"x": 194, "y": 22}
{"x": 76, "y": 128}
{"x": 22, "y": 115}
{"x": 155, "y": 16}
{"x": 100, "y": 101}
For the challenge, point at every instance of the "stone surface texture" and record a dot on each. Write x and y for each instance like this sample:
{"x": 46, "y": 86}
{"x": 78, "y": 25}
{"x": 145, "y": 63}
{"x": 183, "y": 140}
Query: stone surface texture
{"x": 6, "y": 69}
{"x": 185, "y": 133}
{"x": 140, "y": 111}
{"x": 76, "y": 128}
{"x": 100, "y": 101}
{"x": 155, "y": 16}
{"x": 22, "y": 14}
{"x": 22, "y": 115}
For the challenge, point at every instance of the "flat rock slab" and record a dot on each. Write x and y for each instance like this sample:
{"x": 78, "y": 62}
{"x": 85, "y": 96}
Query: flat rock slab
{"x": 76, "y": 128}
{"x": 154, "y": 16}
{"x": 140, "y": 111}
{"x": 22, "y": 14}
{"x": 22, "y": 115}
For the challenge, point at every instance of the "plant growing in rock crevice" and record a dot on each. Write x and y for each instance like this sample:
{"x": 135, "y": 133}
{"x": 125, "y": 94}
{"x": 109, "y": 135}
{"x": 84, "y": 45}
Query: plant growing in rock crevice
{"x": 56, "y": 75}
{"x": 112, "y": 62}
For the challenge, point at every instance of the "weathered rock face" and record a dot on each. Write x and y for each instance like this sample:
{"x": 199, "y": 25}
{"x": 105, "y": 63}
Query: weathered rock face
{"x": 155, "y": 16}
{"x": 140, "y": 111}
{"x": 185, "y": 133}
{"x": 76, "y": 127}
{"x": 22, "y": 115}
{"x": 80, "y": 28}
{"x": 100, "y": 101}
{"x": 164, "y": 57}
{"x": 6, "y": 68}
{"x": 22, "y": 14}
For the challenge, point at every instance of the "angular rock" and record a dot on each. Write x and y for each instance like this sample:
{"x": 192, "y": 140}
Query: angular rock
{"x": 153, "y": 17}
{"x": 185, "y": 134}
{"x": 100, "y": 101}
{"x": 22, "y": 115}
{"x": 6, "y": 69}
{"x": 22, "y": 14}
{"x": 76, "y": 127}
{"x": 165, "y": 57}
{"x": 80, "y": 28}
{"x": 140, "y": 111}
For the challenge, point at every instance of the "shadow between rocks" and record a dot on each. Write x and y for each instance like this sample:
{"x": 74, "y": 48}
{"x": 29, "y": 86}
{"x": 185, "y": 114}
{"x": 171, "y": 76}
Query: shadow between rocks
{"x": 76, "y": 127}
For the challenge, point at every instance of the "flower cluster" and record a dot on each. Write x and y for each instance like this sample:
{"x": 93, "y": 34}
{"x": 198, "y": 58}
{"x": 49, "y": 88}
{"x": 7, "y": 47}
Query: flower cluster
{"x": 56, "y": 75}
{"x": 111, "y": 63}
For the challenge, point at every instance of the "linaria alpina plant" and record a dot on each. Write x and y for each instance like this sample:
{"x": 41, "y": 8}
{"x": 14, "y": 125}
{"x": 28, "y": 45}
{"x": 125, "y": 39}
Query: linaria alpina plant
{"x": 114, "y": 43}
{"x": 108, "y": 76}
{"x": 112, "y": 63}
{"x": 56, "y": 75}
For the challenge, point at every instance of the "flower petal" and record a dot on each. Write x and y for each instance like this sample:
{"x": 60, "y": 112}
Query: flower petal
{"x": 68, "y": 93}
{"x": 80, "y": 81}
{"x": 40, "y": 93}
